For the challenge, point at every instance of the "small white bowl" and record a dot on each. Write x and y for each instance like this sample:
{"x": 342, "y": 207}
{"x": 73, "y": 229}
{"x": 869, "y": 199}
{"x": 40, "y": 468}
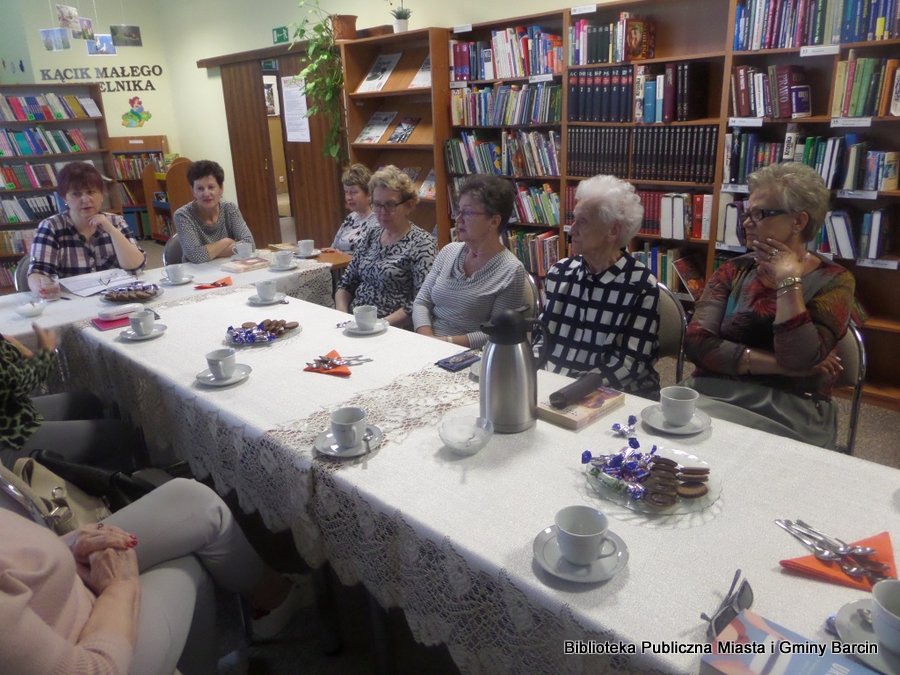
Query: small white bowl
{"x": 31, "y": 308}
{"x": 464, "y": 432}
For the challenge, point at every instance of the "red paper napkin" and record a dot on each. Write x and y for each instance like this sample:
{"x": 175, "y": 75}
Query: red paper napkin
{"x": 224, "y": 281}
{"x": 340, "y": 371}
{"x": 812, "y": 566}
{"x": 109, "y": 324}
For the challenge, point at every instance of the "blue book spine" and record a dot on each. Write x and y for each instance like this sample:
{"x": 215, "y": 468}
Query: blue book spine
{"x": 650, "y": 100}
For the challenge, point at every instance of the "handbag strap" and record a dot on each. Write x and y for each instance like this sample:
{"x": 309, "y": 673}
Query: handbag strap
{"x": 11, "y": 485}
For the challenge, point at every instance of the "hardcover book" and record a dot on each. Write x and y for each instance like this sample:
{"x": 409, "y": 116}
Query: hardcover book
{"x": 587, "y": 410}
{"x": 245, "y": 265}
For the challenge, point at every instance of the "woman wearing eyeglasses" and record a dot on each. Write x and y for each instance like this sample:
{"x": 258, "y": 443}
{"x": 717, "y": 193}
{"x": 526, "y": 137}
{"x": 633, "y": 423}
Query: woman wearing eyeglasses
{"x": 765, "y": 332}
{"x": 477, "y": 278}
{"x": 391, "y": 261}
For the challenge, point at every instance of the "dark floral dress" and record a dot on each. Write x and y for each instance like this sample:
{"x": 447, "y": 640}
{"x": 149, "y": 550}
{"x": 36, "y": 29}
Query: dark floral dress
{"x": 18, "y": 378}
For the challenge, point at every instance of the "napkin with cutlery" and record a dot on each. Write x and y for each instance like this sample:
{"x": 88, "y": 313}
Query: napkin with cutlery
{"x": 224, "y": 281}
{"x": 340, "y": 371}
{"x": 812, "y": 566}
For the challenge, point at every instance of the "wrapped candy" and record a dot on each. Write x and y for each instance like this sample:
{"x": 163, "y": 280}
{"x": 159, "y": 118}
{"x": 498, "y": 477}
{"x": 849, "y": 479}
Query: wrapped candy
{"x": 625, "y": 470}
{"x": 249, "y": 336}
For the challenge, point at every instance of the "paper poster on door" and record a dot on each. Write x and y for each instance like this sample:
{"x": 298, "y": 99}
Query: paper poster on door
{"x": 296, "y": 123}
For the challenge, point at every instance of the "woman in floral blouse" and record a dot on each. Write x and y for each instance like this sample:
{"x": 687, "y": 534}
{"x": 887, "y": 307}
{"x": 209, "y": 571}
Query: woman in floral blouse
{"x": 358, "y": 199}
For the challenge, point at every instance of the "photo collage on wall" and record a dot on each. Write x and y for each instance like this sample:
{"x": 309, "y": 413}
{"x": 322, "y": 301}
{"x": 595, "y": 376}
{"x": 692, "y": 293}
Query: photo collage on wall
{"x": 71, "y": 26}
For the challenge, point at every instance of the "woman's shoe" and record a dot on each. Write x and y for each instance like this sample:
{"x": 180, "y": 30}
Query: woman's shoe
{"x": 268, "y": 625}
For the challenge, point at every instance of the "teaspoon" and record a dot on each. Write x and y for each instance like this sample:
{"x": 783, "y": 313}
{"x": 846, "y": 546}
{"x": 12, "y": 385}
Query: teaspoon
{"x": 818, "y": 551}
{"x": 838, "y": 545}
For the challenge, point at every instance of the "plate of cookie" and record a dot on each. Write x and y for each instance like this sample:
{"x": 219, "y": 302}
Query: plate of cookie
{"x": 666, "y": 482}
{"x": 261, "y": 333}
{"x": 134, "y": 292}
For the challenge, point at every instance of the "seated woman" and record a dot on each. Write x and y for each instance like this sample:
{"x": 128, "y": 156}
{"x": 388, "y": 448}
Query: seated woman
{"x": 133, "y": 593}
{"x": 70, "y": 424}
{"x": 764, "y": 333}
{"x": 601, "y": 307}
{"x": 361, "y": 217}
{"x": 83, "y": 238}
{"x": 391, "y": 261}
{"x": 474, "y": 280}
{"x": 209, "y": 227}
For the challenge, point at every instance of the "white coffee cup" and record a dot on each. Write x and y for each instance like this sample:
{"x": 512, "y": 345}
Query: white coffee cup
{"x": 141, "y": 322}
{"x": 221, "y": 363}
{"x": 242, "y": 250}
{"x": 886, "y": 614}
{"x": 266, "y": 290}
{"x": 581, "y": 534}
{"x": 365, "y": 316}
{"x": 678, "y": 404}
{"x": 348, "y": 426}
{"x": 305, "y": 246}
{"x": 175, "y": 273}
{"x": 283, "y": 258}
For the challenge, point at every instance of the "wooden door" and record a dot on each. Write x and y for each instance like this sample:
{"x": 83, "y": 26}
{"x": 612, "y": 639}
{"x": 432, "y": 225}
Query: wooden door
{"x": 317, "y": 198}
{"x": 251, "y": 154}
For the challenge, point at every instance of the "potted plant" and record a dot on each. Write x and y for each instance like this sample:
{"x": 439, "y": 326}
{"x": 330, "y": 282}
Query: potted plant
{"x": 323, "y": 76}
{"x": 401, "y": 16}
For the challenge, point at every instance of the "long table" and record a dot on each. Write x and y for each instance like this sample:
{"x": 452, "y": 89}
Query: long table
{"x": 449, "y": 539}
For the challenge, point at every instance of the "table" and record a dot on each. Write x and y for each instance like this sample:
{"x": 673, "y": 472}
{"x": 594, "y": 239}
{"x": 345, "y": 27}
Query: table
{"x": 449, "y": 539}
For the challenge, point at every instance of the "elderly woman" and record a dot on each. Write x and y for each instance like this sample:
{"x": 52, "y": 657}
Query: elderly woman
{"x": 361, "y": 217}
{"x": 478, "y": 278}
{"x": 601, "y": 305}
{"x": 83, "y": 238}
{"x": 764, "y": 334}
{"x": 133, "y": 593}
{"x": 391, "y": 261}
{"x": 209, "y": 227}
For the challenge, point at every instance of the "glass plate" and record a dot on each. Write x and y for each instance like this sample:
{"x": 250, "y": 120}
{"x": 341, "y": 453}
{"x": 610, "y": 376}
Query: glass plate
{"x": 619, "y": 496}
{"x": 284, "y": 336}
{"x": 121, "y": 293}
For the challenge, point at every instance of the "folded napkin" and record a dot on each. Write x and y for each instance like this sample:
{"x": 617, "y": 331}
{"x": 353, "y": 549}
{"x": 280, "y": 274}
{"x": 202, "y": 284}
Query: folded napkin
{"x": 224, "y": 281}
{"x": 340, "y": 371}
{"x": 824, "y": 571}
{"x": 109, "y": 324}
{"x": 580, "y": 388}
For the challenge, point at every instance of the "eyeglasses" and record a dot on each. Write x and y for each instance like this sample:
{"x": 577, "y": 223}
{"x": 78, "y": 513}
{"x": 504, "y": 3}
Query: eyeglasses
{"x": 734, "y": 603}
{"x": 465, "y": 214}
{"x": 759, "y": 215}
{"x": 388, "y": 206}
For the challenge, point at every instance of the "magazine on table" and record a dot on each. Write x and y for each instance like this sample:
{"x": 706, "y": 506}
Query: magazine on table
{"x": 379, "y": 73}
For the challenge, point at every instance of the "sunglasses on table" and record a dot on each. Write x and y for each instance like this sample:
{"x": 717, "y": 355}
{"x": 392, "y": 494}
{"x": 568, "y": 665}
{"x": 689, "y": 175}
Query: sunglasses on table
{"x": 738, "y": 598}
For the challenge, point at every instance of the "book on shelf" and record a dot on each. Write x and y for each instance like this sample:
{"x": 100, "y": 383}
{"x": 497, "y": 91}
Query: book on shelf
{"x": 245, "y": 265}
{"x": 840, "y": 234}
{"x": 412, "y": 171}
{"x": 379, "y": 73}
{"x": 427, "y": 189}
{"x": 90, "y": 106}
{"x": 422, "y": 78}
{"x": 640, "y": 39}
{"x": 690, "y": 272}
{"x": 578, "y": 415}
{"x": 403, "y": 130}
{"x": 376, "y": 126}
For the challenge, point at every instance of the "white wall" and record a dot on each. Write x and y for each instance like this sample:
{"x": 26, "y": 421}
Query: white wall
{"x": 15, "y": 59}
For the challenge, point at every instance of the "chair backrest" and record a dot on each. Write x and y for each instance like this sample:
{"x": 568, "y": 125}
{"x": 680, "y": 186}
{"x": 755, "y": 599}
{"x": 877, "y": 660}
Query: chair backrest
{"x": 532, "y": 298}
{"x": 172, "y": 253}
{"x": 852, "y": 352}
{"x": 672, "y": 326}
{"x": 20, "y": 280}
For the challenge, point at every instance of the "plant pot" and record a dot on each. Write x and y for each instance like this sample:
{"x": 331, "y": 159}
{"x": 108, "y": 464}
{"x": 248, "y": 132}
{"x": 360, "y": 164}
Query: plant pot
{"x": 344, "y": 26}
{"x": 401, "y": 25}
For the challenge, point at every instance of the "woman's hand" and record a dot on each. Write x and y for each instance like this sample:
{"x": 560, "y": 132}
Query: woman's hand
{"x": 89, "y": 539}
{"x": 110, "y": 566}
{"x": 102, "y": 222}
{"x": 46, "y": 338}
{"x": 776, "y": 262}
{"x": 24, "y": 351}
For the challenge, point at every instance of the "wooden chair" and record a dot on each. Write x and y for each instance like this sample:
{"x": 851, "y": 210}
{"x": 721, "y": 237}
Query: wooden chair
{"x": 672, "y": 326}
{"x": 172, "y": 253}
{"x": 853, "y": 358}
{"x": 20, "y": 280}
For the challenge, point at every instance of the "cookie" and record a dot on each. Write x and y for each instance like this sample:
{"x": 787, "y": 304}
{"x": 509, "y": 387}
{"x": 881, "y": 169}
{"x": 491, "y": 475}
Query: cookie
{"x": 661, "y": 499}
{"x": 694, "y": 470}
{"x": 692, "y": 490}
{"x": 291, "y": 325}
{"x": 657, "y": 460}
{"x": 695, "y": 478}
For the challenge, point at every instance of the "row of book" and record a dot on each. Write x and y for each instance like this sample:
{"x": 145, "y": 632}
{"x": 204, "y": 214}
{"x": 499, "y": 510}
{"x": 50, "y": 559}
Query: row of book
{"x": 520, "y": 154}
{"x": 630, "y": 38}
{"x": 866, "y": 87}
{"x": 745, "y": 153}
{"x": 46, "y": 107}
{"x": 520, "y": 51}
{"x": 780, "y": 91}
{"x": 507, "y": 105}
{"x": 130, "y": 166}
{"x": 774, "y": 24}
{"x": 41, "y": 141}
{"x": 7, "y": 272}
{"x": 601, "y": 95}
{"x": 865, "y": 238}
{"x": 678, "y": 93}
{"x": 537, "y": 250}
{"x": 127, "y": 197}
{"x": 683, "y": 153}
{"x": 676, "y": 215}
{"x": 27, "y": 209}
{"x": 593, "y": 150}
{"x": 679, "y": 272}
{"x": 537, "y": 204}
{"x": 25, "y": 176}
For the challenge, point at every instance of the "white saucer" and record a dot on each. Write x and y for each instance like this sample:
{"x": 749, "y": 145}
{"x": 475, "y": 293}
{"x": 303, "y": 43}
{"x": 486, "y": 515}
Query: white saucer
{"x": 313, "y": 254}
{"x": 652, "y": 416}
{"x": 546, "y": 552}
{"x": 131, "y": 336}
{"x": 380, "y": 326}
{"x": 853, "y": 630}
{"x": 188, "y": 278}
{"x": 241, "y": 373}
{"x": 325, "y": 444}
{"x": 292, "y": 266}
{"x": 254, "y": 300}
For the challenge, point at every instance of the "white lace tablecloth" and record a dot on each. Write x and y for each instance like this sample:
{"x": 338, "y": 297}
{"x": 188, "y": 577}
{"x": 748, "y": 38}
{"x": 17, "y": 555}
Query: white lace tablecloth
{"x": 449, "y": 539}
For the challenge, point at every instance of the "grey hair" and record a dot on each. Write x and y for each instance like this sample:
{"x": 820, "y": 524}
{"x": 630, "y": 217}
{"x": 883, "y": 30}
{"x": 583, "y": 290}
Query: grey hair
{"x": 797, "y": 187}
{"x": 392, "y": 178}
{"x": 609, "y": 200}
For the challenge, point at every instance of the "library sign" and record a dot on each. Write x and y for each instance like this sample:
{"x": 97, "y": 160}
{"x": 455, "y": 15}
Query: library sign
{"x": 110, "y": 78}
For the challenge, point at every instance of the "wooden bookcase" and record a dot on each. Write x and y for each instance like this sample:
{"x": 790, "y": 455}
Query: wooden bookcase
{"x": 424, "y": 148}
{"x": 27, "y": 120}
{"x": 131, "y": 154}
{"x": 173, "y": 184}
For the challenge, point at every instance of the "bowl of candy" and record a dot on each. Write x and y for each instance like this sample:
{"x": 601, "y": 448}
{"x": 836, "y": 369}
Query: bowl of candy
{"x": 464, "y": 431}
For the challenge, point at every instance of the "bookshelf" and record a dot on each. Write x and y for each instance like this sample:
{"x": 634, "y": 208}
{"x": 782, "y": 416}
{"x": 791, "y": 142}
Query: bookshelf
{"x": 131, "y": 154}
{"x": 401, "y": 94}
{"x": 43, "y": 127}
{"x": 173, "y": 185}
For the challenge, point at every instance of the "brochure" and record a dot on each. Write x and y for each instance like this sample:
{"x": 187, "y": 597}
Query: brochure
{"x": 404, "y": 130}
{"x": 375, "y": 127}
{"x": 379, "y": 73}
{"x": 423, "y": 75}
